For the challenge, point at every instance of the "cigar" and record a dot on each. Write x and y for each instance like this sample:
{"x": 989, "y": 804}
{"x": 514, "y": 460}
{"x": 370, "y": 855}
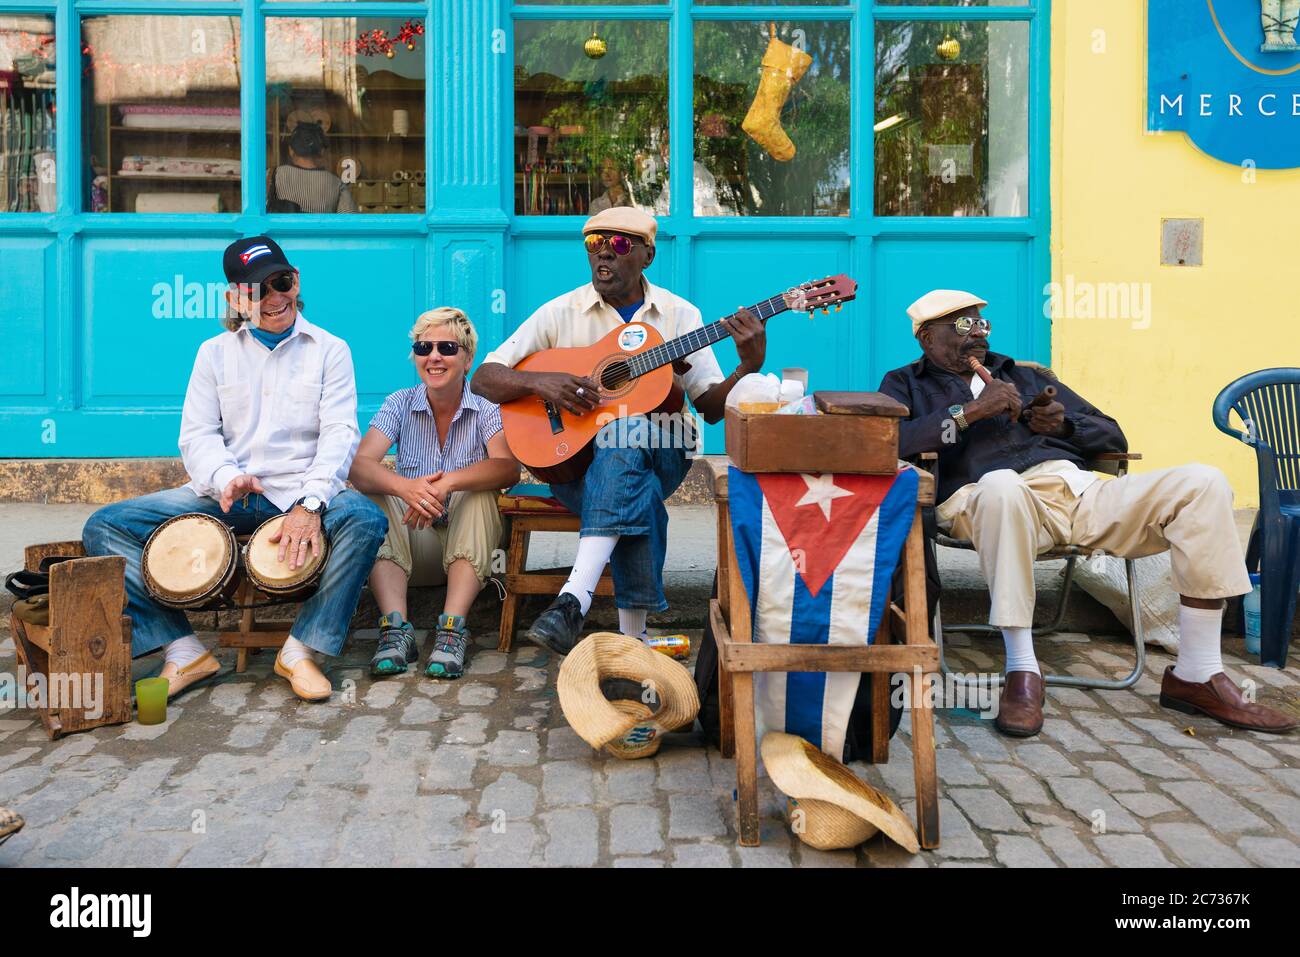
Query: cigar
{"x": 978, "y": 368}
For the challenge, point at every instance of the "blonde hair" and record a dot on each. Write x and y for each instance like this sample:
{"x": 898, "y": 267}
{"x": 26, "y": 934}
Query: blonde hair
{"x": 453, "y": 319}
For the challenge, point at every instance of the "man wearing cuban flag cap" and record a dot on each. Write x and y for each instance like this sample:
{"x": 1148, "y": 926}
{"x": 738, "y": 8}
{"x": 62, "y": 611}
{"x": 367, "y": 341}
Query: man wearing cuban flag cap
{"x": 269, "y": 427}
{"x": 1012, "y": 480}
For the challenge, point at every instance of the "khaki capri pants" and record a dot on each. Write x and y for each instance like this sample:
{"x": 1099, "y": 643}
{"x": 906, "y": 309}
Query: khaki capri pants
{"x": 472, "y": 533}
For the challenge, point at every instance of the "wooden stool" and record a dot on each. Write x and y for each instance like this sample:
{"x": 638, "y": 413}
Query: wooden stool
{"x": 251, "y": 633}
{"x": 84, "y": 638}
{"x": 739, "y": 657}
{"x": 531, "y": 508}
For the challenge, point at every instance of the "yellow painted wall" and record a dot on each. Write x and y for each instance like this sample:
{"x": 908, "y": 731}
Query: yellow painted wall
{"x": 1112, "y": 184}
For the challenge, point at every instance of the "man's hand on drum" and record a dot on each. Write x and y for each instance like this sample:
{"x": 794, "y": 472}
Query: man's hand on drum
{"x": 298, "y": 537}
{"x": 425, "y": 497}
{"x": 239, "y": 489}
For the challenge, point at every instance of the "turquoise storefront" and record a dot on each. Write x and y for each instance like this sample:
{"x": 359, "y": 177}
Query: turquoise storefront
{"x": 473, "y": 137}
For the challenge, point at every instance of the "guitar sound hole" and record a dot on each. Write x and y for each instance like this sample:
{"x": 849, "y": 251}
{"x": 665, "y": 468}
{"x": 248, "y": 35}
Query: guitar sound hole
{"x": 615, "y": 376}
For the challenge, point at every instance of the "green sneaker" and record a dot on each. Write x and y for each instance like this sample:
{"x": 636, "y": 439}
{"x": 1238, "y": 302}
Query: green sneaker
{"x": 397, "y": 648}
{"x": 447, "y": 660}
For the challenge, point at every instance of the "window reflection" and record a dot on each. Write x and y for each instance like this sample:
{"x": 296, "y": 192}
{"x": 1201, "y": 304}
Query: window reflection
{"x": 772, "y": 118}
{"x": 345, "y": 115}
{"x": 27, "y": 170}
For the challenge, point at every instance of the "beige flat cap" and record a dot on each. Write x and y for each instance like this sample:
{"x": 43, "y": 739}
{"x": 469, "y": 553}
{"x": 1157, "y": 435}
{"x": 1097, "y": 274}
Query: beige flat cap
{"x": 939, "y": 303}
{"x": 623, "y": 219}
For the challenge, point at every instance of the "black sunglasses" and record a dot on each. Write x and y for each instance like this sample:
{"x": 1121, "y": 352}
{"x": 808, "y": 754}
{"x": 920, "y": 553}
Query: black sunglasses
{"x": 280, "y": 282}
{"x": 446, "y": 347}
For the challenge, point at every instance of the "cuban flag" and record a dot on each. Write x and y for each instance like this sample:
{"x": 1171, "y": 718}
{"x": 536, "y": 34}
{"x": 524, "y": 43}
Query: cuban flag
{"x": 817, "y": 554}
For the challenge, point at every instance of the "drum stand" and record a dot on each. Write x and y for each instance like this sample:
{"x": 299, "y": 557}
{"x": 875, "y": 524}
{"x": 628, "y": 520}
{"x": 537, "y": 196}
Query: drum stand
{"x": 251, "y": 634}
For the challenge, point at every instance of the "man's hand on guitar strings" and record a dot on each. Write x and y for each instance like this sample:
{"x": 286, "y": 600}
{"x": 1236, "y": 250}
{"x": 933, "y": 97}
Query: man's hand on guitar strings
{"x": 750, "y": 337}
{"x": 575, "y": 394}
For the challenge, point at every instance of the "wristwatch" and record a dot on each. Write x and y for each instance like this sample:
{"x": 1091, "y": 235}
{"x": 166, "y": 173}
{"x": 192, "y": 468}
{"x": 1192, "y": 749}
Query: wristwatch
{"x": 959, "y": 416}
{"x": 311, "y": 503}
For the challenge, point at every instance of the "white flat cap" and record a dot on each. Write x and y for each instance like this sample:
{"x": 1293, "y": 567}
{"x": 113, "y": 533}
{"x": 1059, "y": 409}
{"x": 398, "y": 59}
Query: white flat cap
{"x": 939, "y": 303}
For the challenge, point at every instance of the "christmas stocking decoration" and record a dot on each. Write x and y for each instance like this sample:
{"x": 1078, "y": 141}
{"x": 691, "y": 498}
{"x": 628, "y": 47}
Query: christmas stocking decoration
{"x": 783, "y": 66}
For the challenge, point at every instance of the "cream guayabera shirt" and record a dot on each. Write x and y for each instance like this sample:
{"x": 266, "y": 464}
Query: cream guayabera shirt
{"x": 288, "y": 415}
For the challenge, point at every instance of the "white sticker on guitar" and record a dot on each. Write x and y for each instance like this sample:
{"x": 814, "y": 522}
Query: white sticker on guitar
{"x": 632, "y": 338}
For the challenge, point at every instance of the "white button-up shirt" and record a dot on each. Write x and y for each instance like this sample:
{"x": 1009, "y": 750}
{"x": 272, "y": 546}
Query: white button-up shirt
{"x": 287, "y": 416}
{"x": 581, "y": 317}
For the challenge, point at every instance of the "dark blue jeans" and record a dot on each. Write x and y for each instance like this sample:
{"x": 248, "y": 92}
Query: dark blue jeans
{"x": 623, "y": 493}
{"x": 354, "y": 524}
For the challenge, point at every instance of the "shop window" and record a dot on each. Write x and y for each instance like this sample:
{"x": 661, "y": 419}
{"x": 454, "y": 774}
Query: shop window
{"x": 27, "y": 171}
{"x": 161, "y": 113}
{"x": 591, "y": 116}
{"x": 772, "y": 117}
{"x": 952, "y": 119}
{"x": 345, "y": 115}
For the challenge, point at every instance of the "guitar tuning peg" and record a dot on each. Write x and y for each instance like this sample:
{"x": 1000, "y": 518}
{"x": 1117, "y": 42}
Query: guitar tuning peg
{"x": 839, "y": 306}
{"x": 826, "y": 311}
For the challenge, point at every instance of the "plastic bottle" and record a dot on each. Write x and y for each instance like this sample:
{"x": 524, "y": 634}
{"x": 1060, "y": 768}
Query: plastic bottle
{"x": 1250, "y": 608}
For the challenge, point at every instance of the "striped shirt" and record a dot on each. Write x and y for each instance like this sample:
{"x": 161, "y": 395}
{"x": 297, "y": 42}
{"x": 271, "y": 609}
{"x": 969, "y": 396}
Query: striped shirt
{"x": 315, "y": 190}
{"x": 405, "y": 417}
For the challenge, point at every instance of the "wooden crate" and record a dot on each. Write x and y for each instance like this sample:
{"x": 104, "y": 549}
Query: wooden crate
{"x": 87, "y": 639}
{"x": 856, "y": 432}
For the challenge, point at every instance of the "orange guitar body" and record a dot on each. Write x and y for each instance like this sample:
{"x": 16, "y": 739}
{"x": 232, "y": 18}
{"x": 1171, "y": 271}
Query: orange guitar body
{"x": 558, "y": 446}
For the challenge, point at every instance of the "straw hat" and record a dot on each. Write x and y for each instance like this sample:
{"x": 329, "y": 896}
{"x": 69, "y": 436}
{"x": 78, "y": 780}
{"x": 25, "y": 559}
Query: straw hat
{"x": 619, "y": 695}
{"x": 837, "y": 808}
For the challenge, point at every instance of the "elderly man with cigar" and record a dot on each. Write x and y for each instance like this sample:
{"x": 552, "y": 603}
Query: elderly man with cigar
{"x": 1012, "y": 480}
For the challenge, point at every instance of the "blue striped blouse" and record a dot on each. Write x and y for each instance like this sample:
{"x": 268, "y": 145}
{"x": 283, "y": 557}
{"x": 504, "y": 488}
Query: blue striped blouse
{"x": 405, "y": 417}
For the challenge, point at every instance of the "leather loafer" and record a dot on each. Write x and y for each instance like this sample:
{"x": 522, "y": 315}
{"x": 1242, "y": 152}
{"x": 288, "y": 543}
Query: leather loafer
{"x": 1020, "y": 708}
{"x": 180, "y": 677}
{"x": 1221, "y": 699}
{"x": 305, "y": 678}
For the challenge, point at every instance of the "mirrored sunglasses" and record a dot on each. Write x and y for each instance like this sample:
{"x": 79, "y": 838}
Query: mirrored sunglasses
{"x": 445, "y": 347}
{"x": 595, "y": 242}
{"x": 966, "y": 324}
{"x": 280, "y": 282}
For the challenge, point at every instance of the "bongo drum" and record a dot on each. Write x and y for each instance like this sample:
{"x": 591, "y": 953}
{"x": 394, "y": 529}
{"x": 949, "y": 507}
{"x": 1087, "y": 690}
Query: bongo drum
{"x": 190, "y": 562}
{"x": 273, "y": 577}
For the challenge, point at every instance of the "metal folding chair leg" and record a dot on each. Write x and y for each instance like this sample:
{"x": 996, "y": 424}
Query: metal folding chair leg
{"x": 1067, "y": 681}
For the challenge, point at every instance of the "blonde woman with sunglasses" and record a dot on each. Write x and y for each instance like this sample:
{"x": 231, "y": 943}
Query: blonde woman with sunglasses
{"x": 443, "y": 523}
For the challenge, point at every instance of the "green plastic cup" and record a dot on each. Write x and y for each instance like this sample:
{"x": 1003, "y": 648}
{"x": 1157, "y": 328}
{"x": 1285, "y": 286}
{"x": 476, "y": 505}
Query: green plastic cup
{"x": 151, "y": 700}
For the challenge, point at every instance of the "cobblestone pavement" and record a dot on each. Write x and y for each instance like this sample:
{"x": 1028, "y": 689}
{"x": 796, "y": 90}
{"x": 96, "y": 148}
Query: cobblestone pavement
{"x": 484, "y": 771}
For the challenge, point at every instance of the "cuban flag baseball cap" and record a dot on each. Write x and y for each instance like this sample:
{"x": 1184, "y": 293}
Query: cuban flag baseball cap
{"x": 249, "y": 261}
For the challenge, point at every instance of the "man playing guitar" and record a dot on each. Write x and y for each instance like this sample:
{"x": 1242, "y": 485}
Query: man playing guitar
{"x": 621, "y": 496}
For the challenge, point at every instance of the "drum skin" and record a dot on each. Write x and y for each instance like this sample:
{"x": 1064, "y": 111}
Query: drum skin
{"x": 190, "y": 562}
{"x": 273, "y": 577}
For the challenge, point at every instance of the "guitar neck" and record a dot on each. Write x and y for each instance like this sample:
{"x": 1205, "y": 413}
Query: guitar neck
{"x": 698, "y": 339}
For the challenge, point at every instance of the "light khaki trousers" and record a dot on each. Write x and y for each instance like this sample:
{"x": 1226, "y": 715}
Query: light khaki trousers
{"x": 1011, "y": 518}
{"x": 425, "y": 554}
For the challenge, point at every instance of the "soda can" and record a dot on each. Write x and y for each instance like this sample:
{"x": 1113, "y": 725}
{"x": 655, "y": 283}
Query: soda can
{"x": 677, "y": 647}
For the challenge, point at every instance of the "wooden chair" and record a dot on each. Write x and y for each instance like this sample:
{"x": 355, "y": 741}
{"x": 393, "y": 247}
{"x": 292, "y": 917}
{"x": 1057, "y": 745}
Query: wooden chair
{"x": 914, "y": 654}
{"x": 528, "y": 509}
{"x": 80, "y": 642}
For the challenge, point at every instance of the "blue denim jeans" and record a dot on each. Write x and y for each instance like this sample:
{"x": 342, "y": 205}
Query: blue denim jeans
{"x": 355, "y": 527}
{"x": 623, "y": 494}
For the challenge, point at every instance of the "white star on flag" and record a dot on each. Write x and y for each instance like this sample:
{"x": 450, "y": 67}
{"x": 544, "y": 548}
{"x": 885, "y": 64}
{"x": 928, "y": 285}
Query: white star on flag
{"x": 822, "y": 490}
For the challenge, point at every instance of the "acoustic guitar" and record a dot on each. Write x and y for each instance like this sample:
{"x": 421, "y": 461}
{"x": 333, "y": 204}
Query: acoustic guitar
{"x": 633, "y": 366}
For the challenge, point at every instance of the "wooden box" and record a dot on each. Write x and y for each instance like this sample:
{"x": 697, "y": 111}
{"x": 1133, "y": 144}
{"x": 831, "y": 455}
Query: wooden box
{"x": 83, "y": 647}
{"x": 856, "y": 432}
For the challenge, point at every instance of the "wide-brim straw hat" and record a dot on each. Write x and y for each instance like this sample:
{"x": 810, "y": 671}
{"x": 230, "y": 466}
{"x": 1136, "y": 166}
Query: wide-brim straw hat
{"x": 831, "y": 806}
{"x": 619, "y": 695}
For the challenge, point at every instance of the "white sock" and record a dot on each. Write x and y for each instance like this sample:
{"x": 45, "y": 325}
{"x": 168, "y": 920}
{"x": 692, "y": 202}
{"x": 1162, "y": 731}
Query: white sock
{"x": 1020, "y": 650}
{"x": 631, "y": 621}
{"x": 1199, "y": 643}
{"x": 295, "y": 651}
{"x": 593, "y": 556}
{"x": 184, "y": 650}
